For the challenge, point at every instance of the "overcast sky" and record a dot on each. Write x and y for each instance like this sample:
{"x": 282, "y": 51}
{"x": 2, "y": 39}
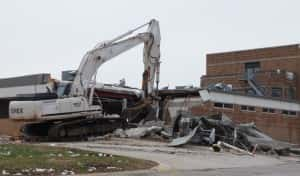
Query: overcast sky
{"x": 51, "y": 36}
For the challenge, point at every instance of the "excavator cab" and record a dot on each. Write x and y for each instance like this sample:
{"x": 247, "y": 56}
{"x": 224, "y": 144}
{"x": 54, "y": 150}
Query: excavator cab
{"x": 63, "y": 89}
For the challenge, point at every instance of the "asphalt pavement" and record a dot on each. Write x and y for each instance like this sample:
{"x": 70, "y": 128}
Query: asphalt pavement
{"x": 191, "y": 160}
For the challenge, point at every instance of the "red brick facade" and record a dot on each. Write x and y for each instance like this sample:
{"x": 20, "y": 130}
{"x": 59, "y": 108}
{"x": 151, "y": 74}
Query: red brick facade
{"x": 275, "y": 65}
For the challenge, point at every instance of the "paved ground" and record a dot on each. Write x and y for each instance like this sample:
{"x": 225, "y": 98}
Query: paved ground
{"x": 291, "y": 169}
{"x": 191, "y": 160}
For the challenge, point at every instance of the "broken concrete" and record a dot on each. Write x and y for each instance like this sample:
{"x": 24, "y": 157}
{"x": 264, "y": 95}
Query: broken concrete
{"x": 207, "y": 130}
{"x": 4, "y": 139}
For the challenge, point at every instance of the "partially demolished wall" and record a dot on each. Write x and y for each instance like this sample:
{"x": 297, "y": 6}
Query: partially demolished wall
{"x": 284, "y": 127}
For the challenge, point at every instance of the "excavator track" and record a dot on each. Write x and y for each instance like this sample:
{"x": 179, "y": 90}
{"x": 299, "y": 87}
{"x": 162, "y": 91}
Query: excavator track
{"x": 80, "y": 128}
{"x": 77, "y": 129}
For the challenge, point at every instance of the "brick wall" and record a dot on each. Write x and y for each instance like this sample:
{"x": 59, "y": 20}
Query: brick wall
{"x": 252, "y": 54}
{"x": 229, "y": 68}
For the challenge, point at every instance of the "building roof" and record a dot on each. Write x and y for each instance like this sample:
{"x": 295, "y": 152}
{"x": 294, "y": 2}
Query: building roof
{"x": 257, "y": 53}
{"x": 234, "y": 98}
{"x": 26, "y": 80}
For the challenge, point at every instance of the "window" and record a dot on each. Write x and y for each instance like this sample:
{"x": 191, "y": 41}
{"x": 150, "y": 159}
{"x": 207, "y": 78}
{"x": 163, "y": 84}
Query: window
{"x": 291, "y": 93}
{"x": 251, "y": 68}
{"x": 243, "y": 108}
{"x": 226, "y": 105}
{"x": 63, "y": 89}
{"x": 276, "y": 92}
{"x": 219, "y": 105}
{"x": 289, "y": 113}
{"x": 293, "y": 113}
{"x": 248, "y": 108}
{"x": 271, "y": 110}
{"x": 268, "y": 110}
{"x": 223, "y": 105}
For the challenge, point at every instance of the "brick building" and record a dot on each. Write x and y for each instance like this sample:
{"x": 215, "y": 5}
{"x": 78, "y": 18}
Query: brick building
{"x": 279, "y": 119}
{"x": 258, "y": 85}
{"x": 273, "y": 71}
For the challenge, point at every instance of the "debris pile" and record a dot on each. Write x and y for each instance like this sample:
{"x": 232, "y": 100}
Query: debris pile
{"x": 31, "y": 171}
{"x": 150, "y": 129}
{"x": 217, "y": 131}
{"x": 221, "y": 132}
{"x": 4, "y": 139}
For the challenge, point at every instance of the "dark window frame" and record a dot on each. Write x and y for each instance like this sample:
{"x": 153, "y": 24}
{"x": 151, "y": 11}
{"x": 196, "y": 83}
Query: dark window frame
{"x": 247, "y": 108}
{"x": 223, "y": 105}
{"x": 253, "y": 66}
{"x": 228, "y": 106}
{"x": 269, "y": 110}
{"x": 273, "y": 92}
{"x": 290, "y": 93}
{"x": 289, "y": 113}
{"x": 218, "y": 105}
{"x": 243, "y": 108}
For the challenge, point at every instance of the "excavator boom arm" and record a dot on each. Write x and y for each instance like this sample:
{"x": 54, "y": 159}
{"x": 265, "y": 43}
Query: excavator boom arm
{"x": 106, "y": 51}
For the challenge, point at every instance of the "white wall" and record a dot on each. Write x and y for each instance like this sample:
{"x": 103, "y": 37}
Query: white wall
{"x": 253, "y": 101}
{"x": 31, "y": 89}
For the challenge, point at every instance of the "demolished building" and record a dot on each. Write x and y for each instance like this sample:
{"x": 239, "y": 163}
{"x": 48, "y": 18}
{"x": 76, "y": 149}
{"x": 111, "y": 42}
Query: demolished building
{"x": 257, "y": 85}
{"x": 266, "y": 113}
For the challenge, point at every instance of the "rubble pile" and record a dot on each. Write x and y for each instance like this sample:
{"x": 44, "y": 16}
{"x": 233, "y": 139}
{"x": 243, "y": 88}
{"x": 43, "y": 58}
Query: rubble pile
{"x": 220, "y": 131}
{"x": 4, "y": 139}
{"x": 217, "y": 131}
{"x": 149, "y": 129}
